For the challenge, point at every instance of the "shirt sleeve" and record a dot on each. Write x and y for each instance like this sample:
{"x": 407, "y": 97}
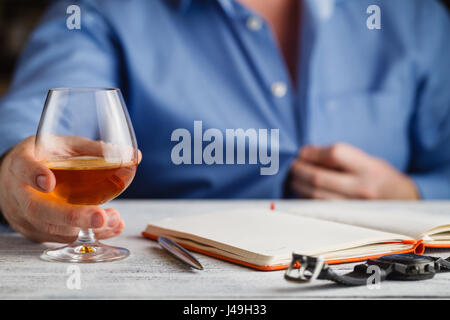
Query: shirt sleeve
{"x": 57, "y": 57}
{"x": 430, "y": 129}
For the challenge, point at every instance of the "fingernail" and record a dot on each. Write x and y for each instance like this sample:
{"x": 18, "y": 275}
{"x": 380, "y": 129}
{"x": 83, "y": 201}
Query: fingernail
{"x": 112, "y": 220}
{"x": 96, "y": 220}
{"x": 42, "y": 182}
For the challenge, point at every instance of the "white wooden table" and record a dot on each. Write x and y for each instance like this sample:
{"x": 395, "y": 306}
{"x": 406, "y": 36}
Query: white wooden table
{"x": 150, "y": 273}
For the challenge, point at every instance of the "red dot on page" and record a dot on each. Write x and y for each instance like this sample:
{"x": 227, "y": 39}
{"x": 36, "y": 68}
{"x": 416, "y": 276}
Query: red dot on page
{"x": 272, "y": 206}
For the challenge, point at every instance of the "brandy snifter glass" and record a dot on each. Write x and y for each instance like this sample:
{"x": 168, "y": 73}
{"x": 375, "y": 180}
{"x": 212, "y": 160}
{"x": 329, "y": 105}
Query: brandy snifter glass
{"x": 85, "y": 137}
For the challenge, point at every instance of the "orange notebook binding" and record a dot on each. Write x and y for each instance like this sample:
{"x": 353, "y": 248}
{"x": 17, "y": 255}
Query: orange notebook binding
{"x": 418, "y": 248}
{"x": 265, "y": 239}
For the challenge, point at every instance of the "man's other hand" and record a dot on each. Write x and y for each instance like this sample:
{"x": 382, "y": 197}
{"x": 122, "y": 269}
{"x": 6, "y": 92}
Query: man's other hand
{"x": 341, "y": 171}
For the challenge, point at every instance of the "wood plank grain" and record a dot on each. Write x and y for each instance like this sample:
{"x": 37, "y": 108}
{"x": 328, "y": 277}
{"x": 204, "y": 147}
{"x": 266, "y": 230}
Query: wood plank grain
{"x": 150, "y": 273}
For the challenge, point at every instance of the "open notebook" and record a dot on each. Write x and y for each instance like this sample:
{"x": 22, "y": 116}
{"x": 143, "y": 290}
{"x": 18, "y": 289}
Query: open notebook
{"x": 265, "y": 239}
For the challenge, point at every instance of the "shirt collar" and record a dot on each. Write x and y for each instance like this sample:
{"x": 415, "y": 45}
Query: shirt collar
{"x": 323, "y": 9}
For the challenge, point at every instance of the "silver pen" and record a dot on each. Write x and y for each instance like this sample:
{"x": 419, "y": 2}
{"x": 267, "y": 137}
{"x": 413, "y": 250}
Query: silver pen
{"x": 179, "y": 252}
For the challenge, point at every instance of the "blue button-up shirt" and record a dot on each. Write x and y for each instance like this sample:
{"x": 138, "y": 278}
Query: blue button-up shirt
{"x": 386, "y": 91}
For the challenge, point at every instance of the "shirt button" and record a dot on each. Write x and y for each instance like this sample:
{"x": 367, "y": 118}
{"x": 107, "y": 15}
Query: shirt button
{"x": 278, "y": 89}
{"x": 254, "y": 23}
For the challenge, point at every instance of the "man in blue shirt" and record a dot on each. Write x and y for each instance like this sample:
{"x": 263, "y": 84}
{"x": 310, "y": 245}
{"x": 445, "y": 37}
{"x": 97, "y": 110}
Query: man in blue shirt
{"x": 320, "y": 99}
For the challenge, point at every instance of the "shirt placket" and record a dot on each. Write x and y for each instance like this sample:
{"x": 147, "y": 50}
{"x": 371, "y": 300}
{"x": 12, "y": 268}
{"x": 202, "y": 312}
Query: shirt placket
{"x": 259, "y": 44}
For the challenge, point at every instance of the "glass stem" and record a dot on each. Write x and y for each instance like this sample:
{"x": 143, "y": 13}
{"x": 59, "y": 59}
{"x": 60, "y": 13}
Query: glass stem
{"x": 86, "y": 236}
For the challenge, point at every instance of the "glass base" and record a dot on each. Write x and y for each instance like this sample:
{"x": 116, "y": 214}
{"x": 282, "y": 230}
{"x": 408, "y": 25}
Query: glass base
{"x": 80, "y": 252}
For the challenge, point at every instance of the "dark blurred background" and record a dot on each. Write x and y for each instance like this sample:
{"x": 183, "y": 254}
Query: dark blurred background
{"x": 17, "y": 20}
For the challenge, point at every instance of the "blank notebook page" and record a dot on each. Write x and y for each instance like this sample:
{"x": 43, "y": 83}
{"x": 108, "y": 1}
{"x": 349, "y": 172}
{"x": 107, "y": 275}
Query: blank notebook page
{"x": 273, "y": 233}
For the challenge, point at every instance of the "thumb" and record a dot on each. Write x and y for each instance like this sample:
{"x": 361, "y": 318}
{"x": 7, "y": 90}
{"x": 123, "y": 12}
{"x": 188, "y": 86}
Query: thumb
{"x": 28, "y": 170}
